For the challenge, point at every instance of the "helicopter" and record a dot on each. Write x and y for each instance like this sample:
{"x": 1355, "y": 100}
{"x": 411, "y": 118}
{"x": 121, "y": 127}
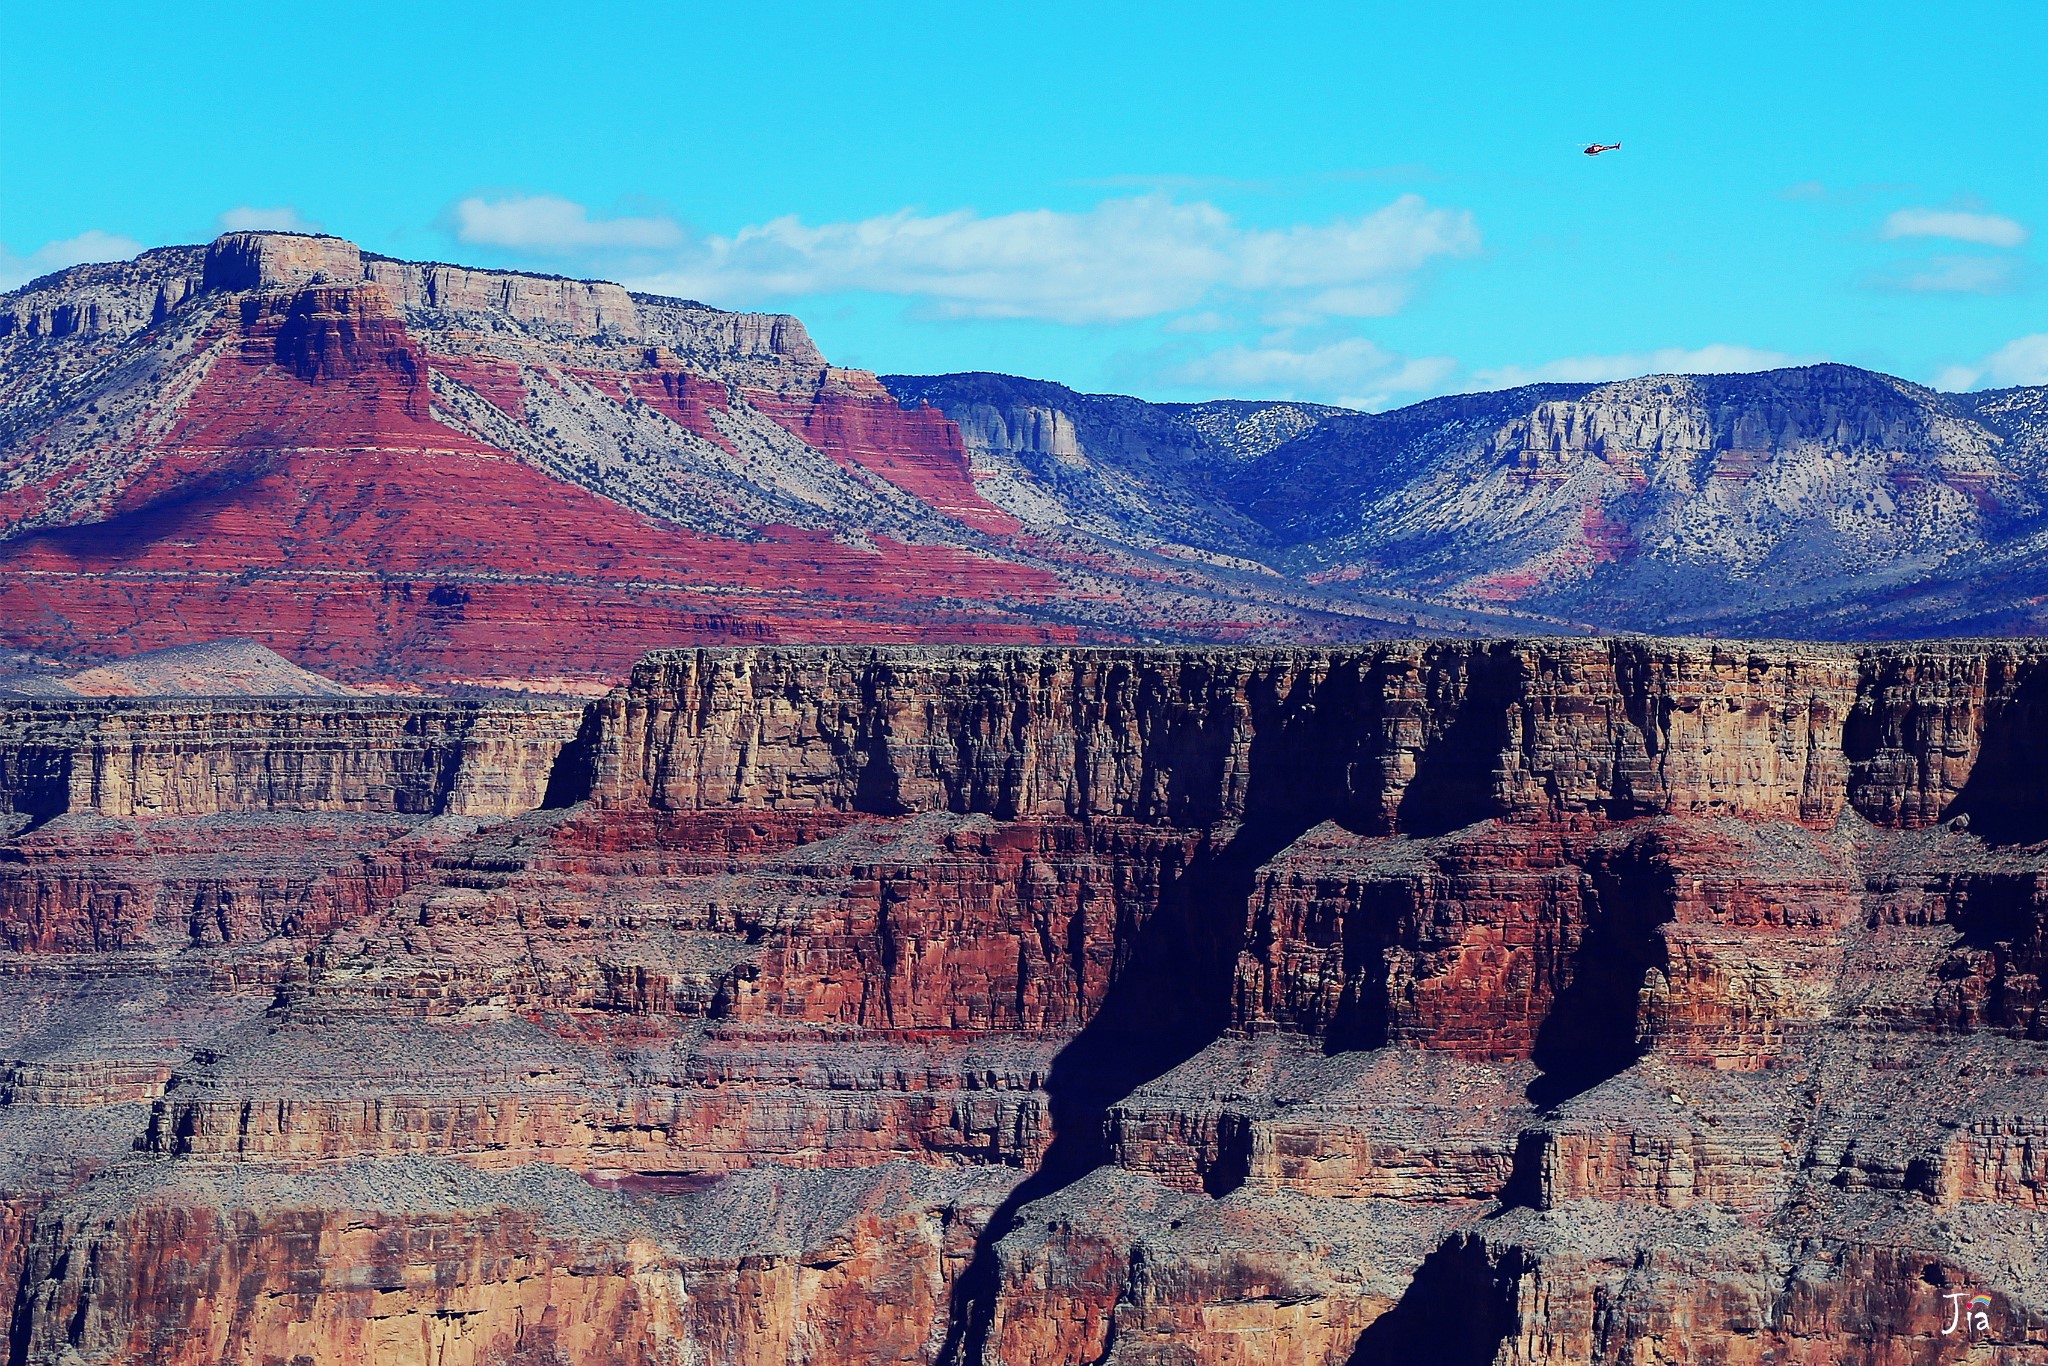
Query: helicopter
{"x": 1594, "y": 149}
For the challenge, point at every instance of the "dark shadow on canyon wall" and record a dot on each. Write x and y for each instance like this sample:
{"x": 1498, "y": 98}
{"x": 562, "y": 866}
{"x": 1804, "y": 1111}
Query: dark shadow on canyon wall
{"x": 573, "y": 775}
{"x": 1457, "y": 1311}
{"x": 2005, "y": 798}
{"x": 1372, "y": 928}
{"x": 1172, "y": 1000}
{"x": 1524, "y": 1186}
{"x": 2003, "y": 917}
{"x": 1593, "y": 1030}
{"x": 1456, "y": 773}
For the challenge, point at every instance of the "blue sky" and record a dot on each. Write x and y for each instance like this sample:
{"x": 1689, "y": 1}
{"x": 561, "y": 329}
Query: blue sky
{"x": 1357, "y": 203}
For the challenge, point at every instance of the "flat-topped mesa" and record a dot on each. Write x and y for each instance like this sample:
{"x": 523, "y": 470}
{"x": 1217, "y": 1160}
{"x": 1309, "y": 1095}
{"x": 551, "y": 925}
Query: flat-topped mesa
{"x": 279, "y": 260}
{"x": 124, "y": 297}
{"x": 587, "y": 307}
{"x": 587, "y": 472}
{"x": 1402, "y": 736}
{"x": 593, "y": 309}
{"x": 201, "y": 757}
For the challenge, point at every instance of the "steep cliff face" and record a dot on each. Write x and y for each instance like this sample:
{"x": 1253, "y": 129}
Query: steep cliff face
{"x": 1513, "y": 1001}
{"x": 1397, "y": 737}
{"x": 229, "y": 756}
{"x": 233, "y": 820}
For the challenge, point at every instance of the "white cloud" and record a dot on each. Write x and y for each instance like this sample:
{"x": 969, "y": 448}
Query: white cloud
{"x": 1720, "y": 358}
{"x": 1122, "y": 260}
{"x": 2023, "y": 360}
{"x": 554, "y": 226}
{"x": 1986, "y": 229}
{"x": 1961, "y": 275}
{"x": 1354, "y": 373}
{"x": 248, "y": 218}
{"x": 90, "y": 245}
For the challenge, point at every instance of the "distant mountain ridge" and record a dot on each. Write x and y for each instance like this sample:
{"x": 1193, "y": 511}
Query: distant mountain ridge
{"x": 1817, "y": 500}
{"x": 399, "y": 471}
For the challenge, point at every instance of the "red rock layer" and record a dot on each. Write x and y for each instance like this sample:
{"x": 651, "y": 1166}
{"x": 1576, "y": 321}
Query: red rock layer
{"x": 125, "y": 885}
{"x": 1528, "y": 1002}
{"x": 308, "y": 495}
{"x": 856, "y": 422}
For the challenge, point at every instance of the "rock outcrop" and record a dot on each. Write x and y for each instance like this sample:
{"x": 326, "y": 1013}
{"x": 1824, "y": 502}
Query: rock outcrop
{"x": 1510, "y": 1001}
{"x": 156, "y": 758}
{"x": 214, "y": 668}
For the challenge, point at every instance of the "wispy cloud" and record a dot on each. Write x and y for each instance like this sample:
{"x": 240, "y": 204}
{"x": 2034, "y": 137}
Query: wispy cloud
{"x": 90, "y": 245}
{"x": 248, "y": 218}
{"x": 1958, "y": 225}
{"x": 1123, "y": 260}
{"x": 552, "y": 226}
{"x": 1169, "y": 183}
{"x": 1720, "y": 358}
{"x": 1353, "y": 372}
{"x": 2023, "y": 360}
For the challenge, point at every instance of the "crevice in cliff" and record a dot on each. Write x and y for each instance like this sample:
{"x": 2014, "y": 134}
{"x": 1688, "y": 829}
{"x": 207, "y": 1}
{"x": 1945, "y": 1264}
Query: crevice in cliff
{"x": 1593, "y": 1030}
{"x": 572, "y": 777}
{"x": 1457, "y": 1311}
{"x": 1232, "y": 1166}
{"x": 1457, "y": 771}
{"x": 2005, "y": 798}
{"x": 21, "y": 1324}
{"x": 1172, "y": 1000}
{"x": 1372, "y": 926}
{"x": 1524, "y": 1186}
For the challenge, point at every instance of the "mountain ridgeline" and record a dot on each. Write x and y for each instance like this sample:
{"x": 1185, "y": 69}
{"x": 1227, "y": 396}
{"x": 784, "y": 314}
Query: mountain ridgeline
{"x": 401, "y": 471}
{"x": 1820, "y": 500}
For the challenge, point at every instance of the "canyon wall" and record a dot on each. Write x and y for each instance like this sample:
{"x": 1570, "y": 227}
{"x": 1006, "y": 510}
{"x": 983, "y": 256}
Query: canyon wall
{"x": 226, "y": 756}
{"x": 1512, "y": 1001}
{"x": 1386, "y": 737}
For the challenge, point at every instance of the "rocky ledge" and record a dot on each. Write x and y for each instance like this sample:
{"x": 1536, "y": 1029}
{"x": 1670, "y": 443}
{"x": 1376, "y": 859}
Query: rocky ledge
{"x": 1513, "y": 1001}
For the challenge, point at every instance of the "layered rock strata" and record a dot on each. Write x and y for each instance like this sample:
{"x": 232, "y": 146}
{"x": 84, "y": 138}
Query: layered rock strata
{"x": 390, "y": 470}
{"x": 1516, "y": 1002}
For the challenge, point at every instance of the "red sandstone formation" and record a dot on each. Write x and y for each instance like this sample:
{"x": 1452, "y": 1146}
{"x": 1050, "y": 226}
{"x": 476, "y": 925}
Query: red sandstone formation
{"x": 295, "y": 467}
{"x": 1513, "y": 1002}
{"x": 386, "y": 471}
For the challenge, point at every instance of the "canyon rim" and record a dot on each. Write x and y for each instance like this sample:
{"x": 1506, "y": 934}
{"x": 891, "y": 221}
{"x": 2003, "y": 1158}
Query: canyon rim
{"x": 546, "y": 823}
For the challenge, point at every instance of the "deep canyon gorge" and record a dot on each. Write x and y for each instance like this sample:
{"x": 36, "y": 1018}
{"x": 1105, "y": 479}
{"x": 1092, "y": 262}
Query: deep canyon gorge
{"x": 1504, "y": 1001}
{"x": 546, "y": 824}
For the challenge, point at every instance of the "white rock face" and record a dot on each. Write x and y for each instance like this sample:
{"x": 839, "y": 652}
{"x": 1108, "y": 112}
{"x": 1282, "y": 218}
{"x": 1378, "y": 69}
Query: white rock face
{"x": 585, "y": 306}
{"x": 271, "y": 260}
